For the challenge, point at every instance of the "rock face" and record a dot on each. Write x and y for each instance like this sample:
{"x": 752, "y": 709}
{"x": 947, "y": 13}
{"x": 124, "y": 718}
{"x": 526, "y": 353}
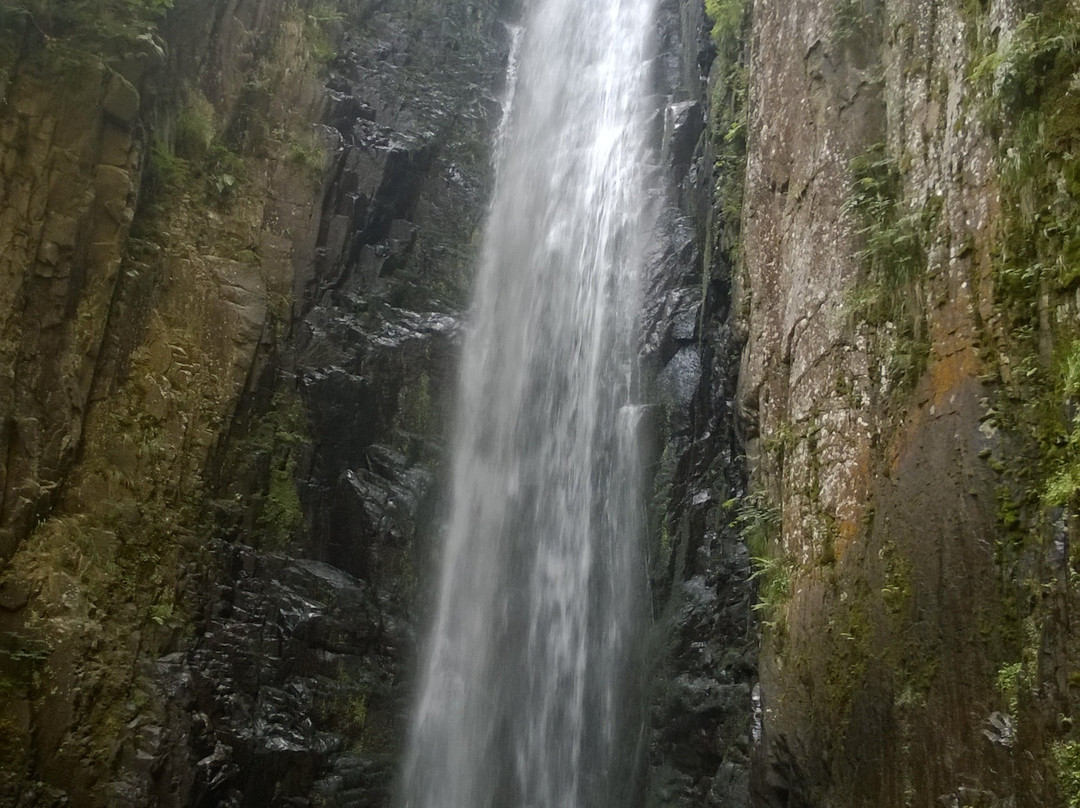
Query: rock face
{"x": 235, "y": 245}
{"x": 368, "y": 366}
{"x": 884, "y": 326}
{"x": 231, "y": 340}
{"x": 702, "y": 654}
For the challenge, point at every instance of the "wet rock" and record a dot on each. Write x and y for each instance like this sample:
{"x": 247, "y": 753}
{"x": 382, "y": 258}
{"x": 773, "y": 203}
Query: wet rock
{"x": 684, "y": 122}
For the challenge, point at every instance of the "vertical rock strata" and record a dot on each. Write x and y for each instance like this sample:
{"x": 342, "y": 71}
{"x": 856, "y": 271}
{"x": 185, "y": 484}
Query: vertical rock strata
{"x": 909, "y": 310}
{"x": 235, "y": 241}
{"x": 235, "y": 245}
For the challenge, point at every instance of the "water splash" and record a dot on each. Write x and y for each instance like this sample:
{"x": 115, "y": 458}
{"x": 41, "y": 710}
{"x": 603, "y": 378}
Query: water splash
{"x": 527, "y": 678}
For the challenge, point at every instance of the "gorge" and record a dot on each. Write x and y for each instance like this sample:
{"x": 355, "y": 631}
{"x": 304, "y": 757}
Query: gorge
{"x": 238, "y": 240}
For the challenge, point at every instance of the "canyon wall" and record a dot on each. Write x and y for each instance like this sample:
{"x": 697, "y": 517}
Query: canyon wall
{"x": 907, "y": 299}
{"x": 236, "y": 241}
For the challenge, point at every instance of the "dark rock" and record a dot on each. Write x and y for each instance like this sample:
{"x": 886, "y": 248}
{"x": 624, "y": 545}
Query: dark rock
{"x": 684, "y": 123}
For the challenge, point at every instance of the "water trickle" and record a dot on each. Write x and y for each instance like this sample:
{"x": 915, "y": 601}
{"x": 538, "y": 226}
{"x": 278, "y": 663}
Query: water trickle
{"x": 526, "y": 684}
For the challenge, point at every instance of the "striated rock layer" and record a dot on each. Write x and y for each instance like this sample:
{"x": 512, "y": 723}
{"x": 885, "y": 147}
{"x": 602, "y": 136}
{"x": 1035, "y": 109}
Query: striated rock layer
{"x": 237, "y": 238}
{"x": 908, "y": 314}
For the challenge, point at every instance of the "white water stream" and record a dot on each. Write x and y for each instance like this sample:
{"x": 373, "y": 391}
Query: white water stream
{"x": 526, "y": 695}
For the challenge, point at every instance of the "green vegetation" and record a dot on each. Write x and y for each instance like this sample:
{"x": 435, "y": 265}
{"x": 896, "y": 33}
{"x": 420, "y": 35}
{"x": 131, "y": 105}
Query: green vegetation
{"x": 1008, "y": 683}
{"x": 728, "y": 111}
{"x": 773, "y": 575}
{"x": 728, "y": 17}
{"x": 1063, "y": 485}
{"x": 1027, "y": 80}
{"x": 850, "y": 19}
{"x": 266, "y": 455}
{"x": 318, "y": 23}
{"x": 198, "y": 163}
{"x": 308, "y": 154}
{"x": 74, "y": 29}
{"x": 195, "y": 128}
{"x": 282, "y": 515}
{"x": 1067, "y": 759}
{"x": 758, "y": 523}
{"x": 895, "y": 242}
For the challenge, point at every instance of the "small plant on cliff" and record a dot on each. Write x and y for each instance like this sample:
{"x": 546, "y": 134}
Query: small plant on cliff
{"x": 317, "y": 29}
{"x": 1063, "y": 487}
{"x": 758, "y": 523}
{"x": 1042, "y": 49}
{"x": 850, "y": 19}
{"x": 773, "y": 578}
{"x": 894, "y": 255}
{"x": 894, "y": 240}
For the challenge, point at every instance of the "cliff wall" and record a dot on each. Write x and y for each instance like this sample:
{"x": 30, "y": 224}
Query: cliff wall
{"x": 235, "y": 243}
{"x": 235, "y": 238}
{"x": 908, "y": 306}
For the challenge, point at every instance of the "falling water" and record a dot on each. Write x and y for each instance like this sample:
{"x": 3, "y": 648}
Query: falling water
{"x": 527, "y": 679}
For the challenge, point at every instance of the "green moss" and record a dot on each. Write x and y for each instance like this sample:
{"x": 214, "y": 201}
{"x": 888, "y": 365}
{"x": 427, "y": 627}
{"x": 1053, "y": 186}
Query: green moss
{"x": 1067, "y": 760}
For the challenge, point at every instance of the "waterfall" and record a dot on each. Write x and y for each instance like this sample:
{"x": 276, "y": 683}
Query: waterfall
{"x": 525, "y": 697}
